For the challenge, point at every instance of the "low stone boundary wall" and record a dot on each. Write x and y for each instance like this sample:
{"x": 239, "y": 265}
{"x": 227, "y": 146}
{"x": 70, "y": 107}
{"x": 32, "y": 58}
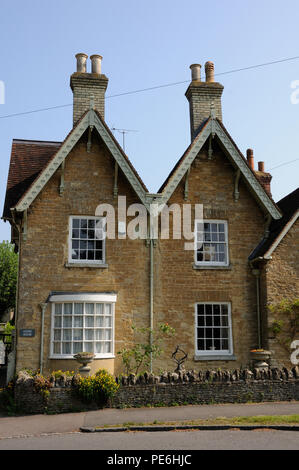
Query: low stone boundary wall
{"x": 239, "y": 386}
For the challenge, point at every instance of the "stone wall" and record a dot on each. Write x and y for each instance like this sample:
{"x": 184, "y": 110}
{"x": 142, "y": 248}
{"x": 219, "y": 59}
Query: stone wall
{"x": 168, "y": 389}
{"x": 280, "y": 280}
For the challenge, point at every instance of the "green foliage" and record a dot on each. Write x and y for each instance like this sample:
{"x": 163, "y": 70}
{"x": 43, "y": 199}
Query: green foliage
{"x": 7, "y": 402}
{"x": 98, "y": 387}
{"x": 285, "y": 325}
{"x": 42, "y": 385}
{"x": 59, "y": 373}
{"x": 8, "y": 276}
{"x": 139, "y": 356}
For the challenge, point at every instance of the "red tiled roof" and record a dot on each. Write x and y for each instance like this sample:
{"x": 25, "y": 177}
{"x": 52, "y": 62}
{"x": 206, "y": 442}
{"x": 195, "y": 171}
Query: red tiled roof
{"x": 28, "y": 159}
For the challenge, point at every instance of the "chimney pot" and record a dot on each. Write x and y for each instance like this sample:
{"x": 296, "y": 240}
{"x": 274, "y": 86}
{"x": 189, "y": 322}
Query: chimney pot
{"x": 81, "y": 62}
{"x": 195, "y": 72}
{"x": 261, "y": 166}
{"x": 209, "y": 69}
{"x": 250, "y": 158}
{"x": 96, "y": 61}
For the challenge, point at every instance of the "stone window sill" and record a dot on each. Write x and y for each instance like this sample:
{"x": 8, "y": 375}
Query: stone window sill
{"x": 214, "y": 357}
{"x": 226, "y": 268}
{"x": 86, "y": 265}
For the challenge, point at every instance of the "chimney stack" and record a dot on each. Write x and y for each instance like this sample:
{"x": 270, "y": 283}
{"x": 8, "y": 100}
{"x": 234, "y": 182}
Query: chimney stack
{"x": 263, "y": 177}
{"x": 209, "y": 69}
{"x": 195, "y": 72}
{"x": 201, "y": 95}
{"x": 96, "y": 63}
{"x": 81, "y": 62}
{"x": 250, "y": 159}
{"x": 261, "y": 166}
{"x": 87, "y": 85}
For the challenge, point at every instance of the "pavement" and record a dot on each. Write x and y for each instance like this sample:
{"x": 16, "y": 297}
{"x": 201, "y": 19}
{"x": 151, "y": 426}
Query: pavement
{"x": 36, "y": 425}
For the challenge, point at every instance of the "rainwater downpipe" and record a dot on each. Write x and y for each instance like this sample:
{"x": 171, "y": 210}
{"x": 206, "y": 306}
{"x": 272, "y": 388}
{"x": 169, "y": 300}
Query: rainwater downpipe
{"x": 43, "y": 307}
{"x": 151, "y": 286}
{"x": 256, "y": 273}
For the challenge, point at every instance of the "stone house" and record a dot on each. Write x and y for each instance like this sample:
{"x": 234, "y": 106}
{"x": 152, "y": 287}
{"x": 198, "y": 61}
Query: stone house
{"x": 80, "y": 291}
{"x": 276, "y": 265}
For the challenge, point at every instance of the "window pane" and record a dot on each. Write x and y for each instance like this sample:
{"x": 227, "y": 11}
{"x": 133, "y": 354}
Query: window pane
{"x": 89, "y": 322}
{"x": 57, "y": 322}
{"x": 88, "y": 334}
{"x": 67, "y": 335}
{"x": 108, "y": 334}
{"x": 107, "y": 347}
{"x": 99, "y": 321}
{"x": 108, "y": 322}
{"x": 78, "y": 322}
{"x": 67, "y": 322}
{"x": 200, "y": 309}
{"x": 57, "y": 335}
{"x": 58, "y": 309}
{"x": 200, "y": 332}
{"x": 57, "y": 348}
{"x": 99, "y": 309}
{"x": 99, "y": 335}
{"x": 209, "y": 309}
{"x": 77, "y": 335}
{"x": 89, "y": 309}
{"x": 88, "y": 347}
{"x": 99, "y": 348}
{"x": 108, "y": 309}
{"x": 216, "y": 309}
{"x": 67, "y": 310}
{"x": 66, "y": 348}
{"x": 77, "y": 347}
{"x": 76, "y": 223}
{"x": 78, "y": 309}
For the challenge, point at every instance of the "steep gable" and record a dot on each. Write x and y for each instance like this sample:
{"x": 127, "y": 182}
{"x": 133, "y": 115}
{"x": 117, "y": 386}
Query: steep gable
{"x": 210, "y": 129}
{"x": 52, "y": 160}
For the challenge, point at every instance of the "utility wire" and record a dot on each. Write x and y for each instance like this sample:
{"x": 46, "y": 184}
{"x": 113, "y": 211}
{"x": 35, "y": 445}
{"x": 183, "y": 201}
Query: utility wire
{"x": 283, "y": 164}
{"x": 156, "y": 87}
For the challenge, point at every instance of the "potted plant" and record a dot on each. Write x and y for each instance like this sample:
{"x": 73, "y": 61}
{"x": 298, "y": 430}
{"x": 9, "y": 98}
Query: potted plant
{"x": 84, "y": 358}
{"x": 260, "y": 357}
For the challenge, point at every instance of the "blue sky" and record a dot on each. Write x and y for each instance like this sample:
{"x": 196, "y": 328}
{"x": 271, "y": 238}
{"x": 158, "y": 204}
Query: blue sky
{"x": 149, "y": 43}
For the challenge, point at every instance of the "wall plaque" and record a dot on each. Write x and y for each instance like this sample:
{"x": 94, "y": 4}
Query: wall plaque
{"x": 27, "y": 332}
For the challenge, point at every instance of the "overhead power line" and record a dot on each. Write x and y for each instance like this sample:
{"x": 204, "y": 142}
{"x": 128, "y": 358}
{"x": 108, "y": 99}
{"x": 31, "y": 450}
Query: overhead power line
{"x": 142, "y": 90}
{"x": 283, "y": 164}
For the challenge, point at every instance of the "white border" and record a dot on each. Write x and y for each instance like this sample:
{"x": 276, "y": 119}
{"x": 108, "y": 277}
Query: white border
{"x": 208, "y": 352}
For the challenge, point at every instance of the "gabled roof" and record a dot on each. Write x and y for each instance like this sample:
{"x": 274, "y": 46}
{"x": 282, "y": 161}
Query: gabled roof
{"x": 23, "y": 190}
{"x": 216, "y": 128}
{"x": 27, "y": 160}
{"x": 289, "y": 207}
{"x": 33, "y": 163}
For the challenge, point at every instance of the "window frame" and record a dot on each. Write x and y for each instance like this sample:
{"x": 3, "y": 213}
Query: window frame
{"x": 225, "y": 242}
{"x": 70, "y": 239}
{"x": 216, "y": 352}
{"x": 78, "y": 300}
